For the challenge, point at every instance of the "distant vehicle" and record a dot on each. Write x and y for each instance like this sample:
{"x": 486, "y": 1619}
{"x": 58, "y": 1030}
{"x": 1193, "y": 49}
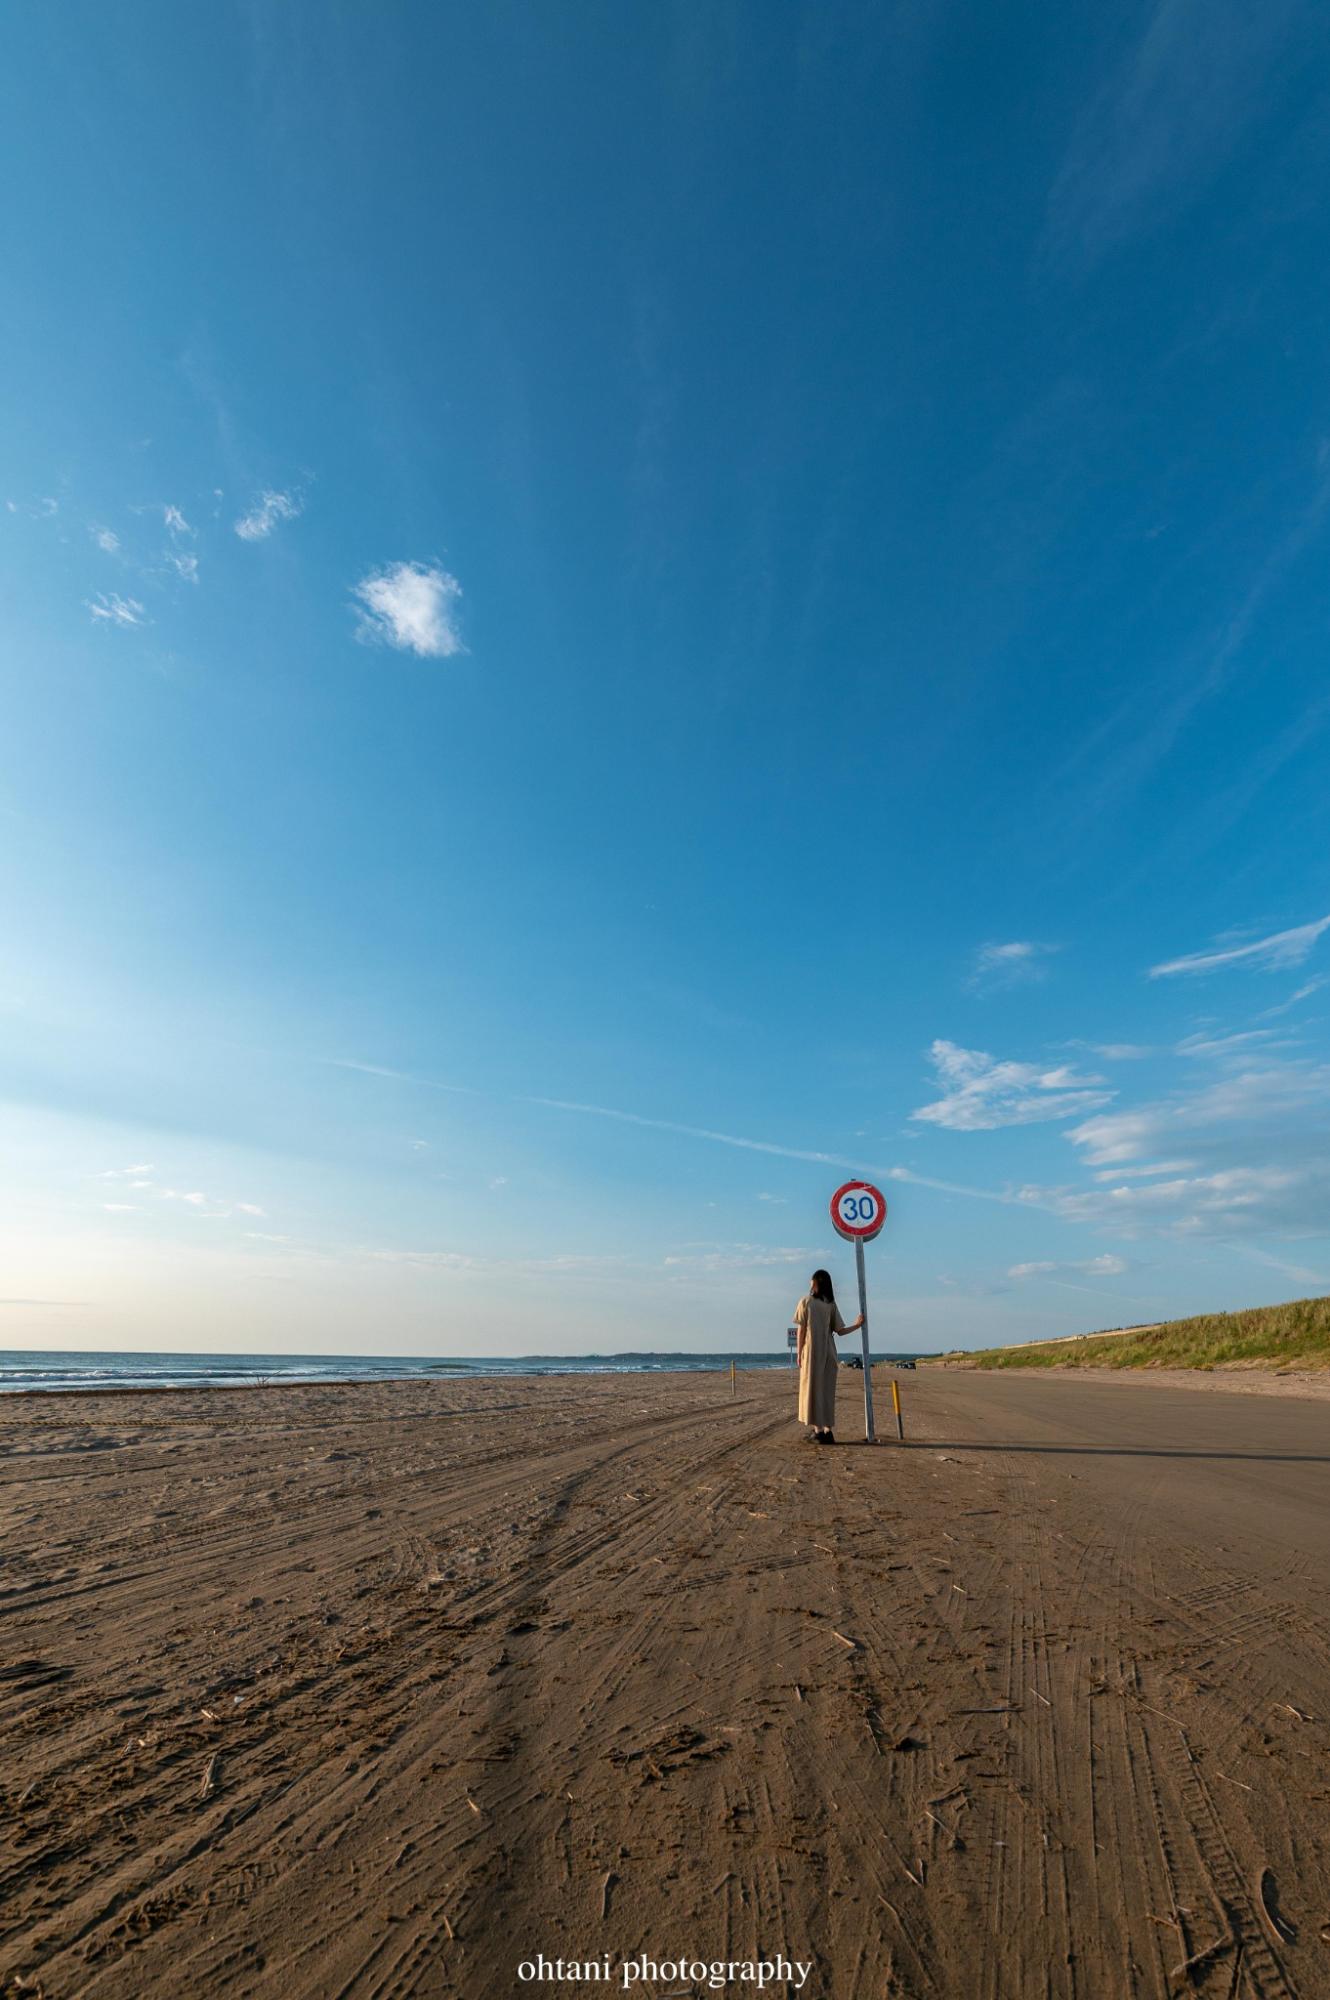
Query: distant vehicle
{"x": 902, "y": 1364}
{"x": 853, "y": 1361}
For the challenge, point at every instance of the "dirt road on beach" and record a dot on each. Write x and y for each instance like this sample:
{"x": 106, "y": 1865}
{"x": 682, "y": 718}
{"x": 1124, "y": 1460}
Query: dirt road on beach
{"x": 365, "y": 1693}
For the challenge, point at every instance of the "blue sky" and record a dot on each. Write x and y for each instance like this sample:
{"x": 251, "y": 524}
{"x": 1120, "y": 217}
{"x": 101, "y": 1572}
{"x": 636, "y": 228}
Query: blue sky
{"x": 610, "y": 614}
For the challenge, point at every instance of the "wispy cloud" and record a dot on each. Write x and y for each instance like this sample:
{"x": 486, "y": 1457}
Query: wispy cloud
{"x": 185, "y": 566}
{"x": 1107, "y": 1266}
{"x": 1271, "y": 1097}
{"x": 1228, "y": 1202}
{"x": 395, "y": 1076}
{"x": 112, "y": 609}
{"x": 1269, "y": 954}
{"x": 1298, "y": 1272}
{"x": 106, "y": 538}
{"x": 1221, "y": 1048}
{"x": 715, "y": 1257}
{"x": 175, "y": 521}
{"x": 1304, "y": 992}
{"x": 981, "y": 1094}
{"x": 1020, "y": 963}
{"x": 1151, "y": 138}
{"x": 413, "y": 607}
{"x": 693, "y": 1132}
{"x": 267, "y": 513}
{"x": 858, "y": 1166}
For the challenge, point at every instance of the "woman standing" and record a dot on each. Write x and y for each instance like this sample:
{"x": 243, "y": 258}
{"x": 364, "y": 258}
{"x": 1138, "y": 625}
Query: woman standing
{"x": 818, "y": 1319}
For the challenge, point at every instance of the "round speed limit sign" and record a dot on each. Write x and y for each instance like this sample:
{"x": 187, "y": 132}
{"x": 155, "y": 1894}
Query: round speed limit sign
{"x": 858, "y": 1211}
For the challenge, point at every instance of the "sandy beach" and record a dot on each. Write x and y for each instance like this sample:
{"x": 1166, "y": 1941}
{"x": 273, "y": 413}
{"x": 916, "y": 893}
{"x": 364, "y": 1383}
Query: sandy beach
{"x": 363, "y": 1693}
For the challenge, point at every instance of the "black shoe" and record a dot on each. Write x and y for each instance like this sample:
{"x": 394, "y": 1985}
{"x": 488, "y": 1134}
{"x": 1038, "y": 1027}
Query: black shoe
{"x": 828, "y": 1437}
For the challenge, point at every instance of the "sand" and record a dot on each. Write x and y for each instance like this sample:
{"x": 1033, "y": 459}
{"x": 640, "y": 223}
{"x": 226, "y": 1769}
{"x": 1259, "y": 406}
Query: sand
{"x": 1243, "y": 1378}
{"x": 381, "y": 1691}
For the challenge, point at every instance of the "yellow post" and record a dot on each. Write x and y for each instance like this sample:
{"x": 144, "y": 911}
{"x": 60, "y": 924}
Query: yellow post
{"x": 734, "y": 1380}
{"x": 896, "y": 1406}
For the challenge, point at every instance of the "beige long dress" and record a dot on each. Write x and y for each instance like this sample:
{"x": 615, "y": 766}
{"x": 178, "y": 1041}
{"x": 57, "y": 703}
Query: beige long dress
{"x": 817, "y": 1371}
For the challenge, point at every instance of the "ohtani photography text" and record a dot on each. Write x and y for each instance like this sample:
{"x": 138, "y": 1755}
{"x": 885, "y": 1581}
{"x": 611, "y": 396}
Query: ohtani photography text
{"x": 645, "y": 1972}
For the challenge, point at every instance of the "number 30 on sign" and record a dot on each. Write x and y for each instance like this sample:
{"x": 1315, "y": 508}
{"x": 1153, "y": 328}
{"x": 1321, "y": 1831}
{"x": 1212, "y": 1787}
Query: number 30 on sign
{"x": 858, "y": 1211}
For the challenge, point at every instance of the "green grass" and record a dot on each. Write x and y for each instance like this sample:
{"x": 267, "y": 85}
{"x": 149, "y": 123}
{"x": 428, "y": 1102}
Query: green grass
{"x": 1291, "y": 1336}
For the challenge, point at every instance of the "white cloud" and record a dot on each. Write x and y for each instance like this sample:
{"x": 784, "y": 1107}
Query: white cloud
{"x": 1106, "y": 1266}
{"x": 737, "y": 1257}
{"x": 47, "y": 508}
{"x": 120, "y": 1208}
{"x": 266, "y": 513}
{"x": 200, "y": 1204}
{"x": 412, "y": 606}
{"x": 1001, "y": 965}
{"x": 1304, "y": 992}
{"x": 1219, "y": 1047}
{"x": 1272, "y": 1096}
{"x": 175, "y": 521}
{"x": 1118, "y": 1051}
{"x": 981, "y": 1094}
{"x": 1231, "y": 1201}
{"x": 1271, "y": 954}
{"x": 105, "y": 538}
{"x": 117, "y": 610}
{"x": 186, "y": 566}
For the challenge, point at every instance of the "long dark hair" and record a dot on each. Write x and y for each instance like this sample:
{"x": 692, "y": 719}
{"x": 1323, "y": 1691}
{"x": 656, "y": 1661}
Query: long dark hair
{"x": 822, "y": 1287}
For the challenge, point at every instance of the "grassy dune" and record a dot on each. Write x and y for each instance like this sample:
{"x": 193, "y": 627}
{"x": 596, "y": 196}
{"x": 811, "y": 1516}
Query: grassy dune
{"x": 1290, "y": 1336}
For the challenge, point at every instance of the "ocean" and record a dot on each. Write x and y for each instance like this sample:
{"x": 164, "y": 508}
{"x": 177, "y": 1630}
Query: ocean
{"x": 23, "y": 1368}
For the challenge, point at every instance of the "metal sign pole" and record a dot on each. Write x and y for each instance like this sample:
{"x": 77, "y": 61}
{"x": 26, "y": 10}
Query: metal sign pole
{"x": 868, "y": 1365}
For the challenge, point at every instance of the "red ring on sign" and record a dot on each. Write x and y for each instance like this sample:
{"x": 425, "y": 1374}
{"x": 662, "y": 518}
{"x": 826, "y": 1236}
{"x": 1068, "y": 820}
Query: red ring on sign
{"x": 858, "y": 1232}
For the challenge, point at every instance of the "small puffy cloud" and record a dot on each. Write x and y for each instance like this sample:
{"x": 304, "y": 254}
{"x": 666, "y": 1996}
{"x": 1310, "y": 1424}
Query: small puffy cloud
{"x": 45, "y": 509}
{"x": 105, "y": 538}
{"x": 1270, "y": 954}
{"x": 248, "y": 1208}
{"x": 1017, "y": 964}
{"x": 112, "y": 609}
{"x": 175, "y": 521}
{"x": 1119, "y": 1051}
{"x": 981, "y": 1094}
{"x": 1107, "y": 1266}
{"x": 267, "y": 513}
{"x": 412, "y": 606}
{"x": 119, "y": 1208}
{"x": 185, "y": 566}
